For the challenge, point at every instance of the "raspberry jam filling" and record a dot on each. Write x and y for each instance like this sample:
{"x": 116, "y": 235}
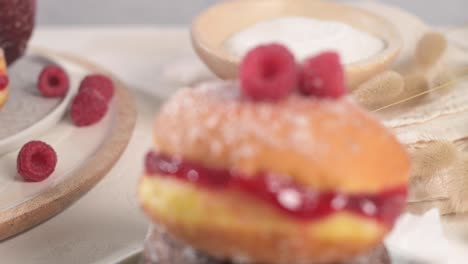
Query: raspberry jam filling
{"x": 289, "y": 197}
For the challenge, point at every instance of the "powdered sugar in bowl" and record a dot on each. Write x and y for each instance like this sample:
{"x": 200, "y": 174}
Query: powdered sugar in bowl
{"x": 223, "y": 33}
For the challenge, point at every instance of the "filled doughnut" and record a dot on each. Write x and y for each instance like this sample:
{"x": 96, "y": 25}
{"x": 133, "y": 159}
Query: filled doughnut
{"x": 305, "y": 177}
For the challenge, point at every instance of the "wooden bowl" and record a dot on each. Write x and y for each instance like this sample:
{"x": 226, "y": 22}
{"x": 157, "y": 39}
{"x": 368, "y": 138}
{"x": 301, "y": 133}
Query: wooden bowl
{"x": 211, "y": 29}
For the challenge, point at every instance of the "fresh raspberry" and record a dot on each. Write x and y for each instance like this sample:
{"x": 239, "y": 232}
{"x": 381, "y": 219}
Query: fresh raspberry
{"x": 3, "y": 81}
{"x": 323, "y": 76}
{"x": 53, "y": 82}
{"x": 88, "y": 108}
{"x": 36, "y": 161}
{"x": 100, "y": 83}
{"x": 268, "y": 72}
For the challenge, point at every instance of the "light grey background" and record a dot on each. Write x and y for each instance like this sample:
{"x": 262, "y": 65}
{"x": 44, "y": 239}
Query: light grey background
{"x": 57, "y": 12}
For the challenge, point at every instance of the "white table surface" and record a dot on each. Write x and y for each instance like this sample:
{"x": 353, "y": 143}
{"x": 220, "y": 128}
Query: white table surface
{"x": 105, "y": 223}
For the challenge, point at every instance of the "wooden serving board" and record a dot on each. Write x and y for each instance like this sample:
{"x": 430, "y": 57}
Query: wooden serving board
{"x": 85, "y": 156}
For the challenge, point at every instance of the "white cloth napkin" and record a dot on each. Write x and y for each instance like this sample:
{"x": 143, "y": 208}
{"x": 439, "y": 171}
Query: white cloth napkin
{"x": 421, "y": 238}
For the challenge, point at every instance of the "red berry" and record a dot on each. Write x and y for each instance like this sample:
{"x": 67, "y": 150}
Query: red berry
{"x": 100, "y": 83}
{"x": 268, "y": 72}
{"x": 323, "y": 76}
{"x": 3, "y": 81}
{"x": 88, "y": 108}
{"x": 36, "y": 161}
{"x": 53, "y": 82}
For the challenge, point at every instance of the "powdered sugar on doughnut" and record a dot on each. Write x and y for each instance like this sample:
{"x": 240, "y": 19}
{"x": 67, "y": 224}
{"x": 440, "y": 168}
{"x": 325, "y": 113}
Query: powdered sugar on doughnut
{"x": 214, "y": 124}
{"x": 283, "y": 125}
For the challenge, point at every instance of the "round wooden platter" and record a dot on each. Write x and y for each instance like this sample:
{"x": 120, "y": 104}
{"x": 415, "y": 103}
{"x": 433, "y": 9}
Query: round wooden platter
{"x": 85, "y": 156}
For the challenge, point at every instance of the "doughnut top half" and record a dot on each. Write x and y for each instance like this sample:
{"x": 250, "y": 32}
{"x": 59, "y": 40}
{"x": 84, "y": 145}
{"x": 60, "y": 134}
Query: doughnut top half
{"x": 319, "y": 143}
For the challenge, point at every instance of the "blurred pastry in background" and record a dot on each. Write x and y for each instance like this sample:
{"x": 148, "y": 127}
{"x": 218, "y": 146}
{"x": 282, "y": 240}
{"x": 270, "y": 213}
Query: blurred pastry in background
{"x": 4, "y": 81}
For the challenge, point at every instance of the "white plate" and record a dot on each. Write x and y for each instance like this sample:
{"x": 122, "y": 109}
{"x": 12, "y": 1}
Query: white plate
{"x": 85, "y": 155}
{"x": 27, "y": 115}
